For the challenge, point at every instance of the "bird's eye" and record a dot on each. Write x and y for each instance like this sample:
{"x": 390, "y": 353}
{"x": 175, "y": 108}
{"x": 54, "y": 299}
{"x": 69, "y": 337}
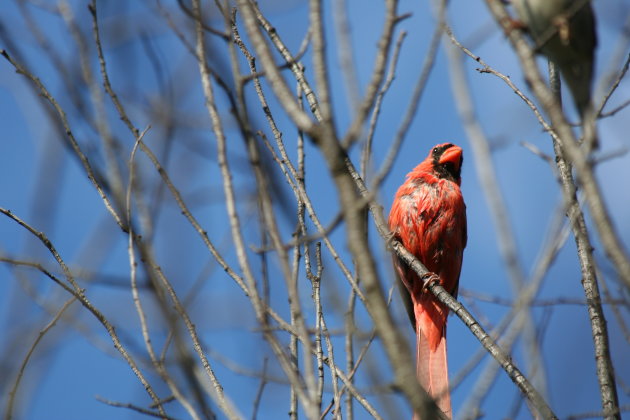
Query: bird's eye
{"x": 435, "y": 150}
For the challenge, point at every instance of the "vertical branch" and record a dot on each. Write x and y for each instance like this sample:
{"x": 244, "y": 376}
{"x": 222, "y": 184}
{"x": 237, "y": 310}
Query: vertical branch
{"x": 293, "y": 339}
{"x": 599, "y": 329}
{"x": 293, "y": 342}
{"x": 300, "y": 231}
{"x": 315, "y": 279}
{"x": 320, "y": 69}
{"x": 263, "y": 382}
{"x": 350, "y": 327}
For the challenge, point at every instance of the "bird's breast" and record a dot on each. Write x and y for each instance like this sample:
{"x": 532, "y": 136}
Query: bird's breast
{"x": 429, "y": 218}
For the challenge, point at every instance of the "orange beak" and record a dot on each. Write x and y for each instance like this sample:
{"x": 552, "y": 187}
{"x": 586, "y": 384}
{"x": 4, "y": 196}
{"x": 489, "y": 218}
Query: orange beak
{"x": 453, "y": 155}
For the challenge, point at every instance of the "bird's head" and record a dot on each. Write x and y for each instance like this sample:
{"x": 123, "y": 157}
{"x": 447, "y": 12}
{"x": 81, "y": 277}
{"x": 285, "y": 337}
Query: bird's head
{"x": 447, "y": 160}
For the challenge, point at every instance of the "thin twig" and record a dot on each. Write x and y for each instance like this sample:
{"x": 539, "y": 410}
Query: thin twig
{"x": 78, "y": 293}
{"x": 261, "y": 388}
{"x": 612, "y": 90}
{"x": 133, "y": 407}
{"x": 75, "y": 145}
{"x": 367, "y": 149}
{"x": 391, "y": 19}
{"x": 12, "y": 394}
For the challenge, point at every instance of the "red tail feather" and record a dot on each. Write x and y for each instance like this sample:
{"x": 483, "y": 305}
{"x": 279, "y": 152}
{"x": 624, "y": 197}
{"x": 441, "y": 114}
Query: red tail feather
{"x": 431, "y": 362}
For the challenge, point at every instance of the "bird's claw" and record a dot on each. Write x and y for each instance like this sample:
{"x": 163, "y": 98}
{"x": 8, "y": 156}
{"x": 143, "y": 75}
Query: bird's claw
{"x": 428, "y": 279}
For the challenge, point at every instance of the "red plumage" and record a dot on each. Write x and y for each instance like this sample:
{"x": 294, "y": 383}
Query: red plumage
{"x": 428, "y": 217}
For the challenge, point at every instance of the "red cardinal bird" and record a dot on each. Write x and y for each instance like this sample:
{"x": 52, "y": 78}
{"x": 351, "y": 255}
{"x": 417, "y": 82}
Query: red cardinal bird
{"x": 428, "y": 217}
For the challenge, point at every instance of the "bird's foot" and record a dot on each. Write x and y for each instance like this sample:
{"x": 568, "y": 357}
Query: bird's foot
{"x": 428, "y": 279}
